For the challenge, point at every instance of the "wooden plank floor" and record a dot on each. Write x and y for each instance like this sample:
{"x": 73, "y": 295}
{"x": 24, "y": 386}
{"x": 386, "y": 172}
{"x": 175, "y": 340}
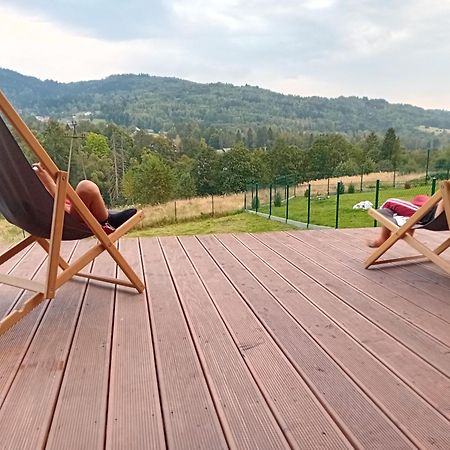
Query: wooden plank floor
{"x": 265, "y": 341}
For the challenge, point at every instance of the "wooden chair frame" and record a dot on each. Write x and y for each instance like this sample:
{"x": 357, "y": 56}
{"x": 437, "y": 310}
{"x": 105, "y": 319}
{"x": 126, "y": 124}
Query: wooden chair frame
{"x": 402, "y": 232}
{"x": 52, "y": 246}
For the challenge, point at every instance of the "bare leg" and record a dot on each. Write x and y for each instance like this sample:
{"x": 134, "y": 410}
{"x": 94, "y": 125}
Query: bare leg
{"x": 439, "y": 208}
{"x": 384, "y": 236}
{"x": 92, "y": 198}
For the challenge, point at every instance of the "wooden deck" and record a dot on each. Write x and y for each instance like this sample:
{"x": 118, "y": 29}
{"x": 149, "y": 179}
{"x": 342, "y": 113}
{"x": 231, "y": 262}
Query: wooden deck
{"x": 266, "y": 341}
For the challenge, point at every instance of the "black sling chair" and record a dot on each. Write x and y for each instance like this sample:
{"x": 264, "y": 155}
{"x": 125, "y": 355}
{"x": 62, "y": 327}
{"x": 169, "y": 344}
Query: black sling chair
{"x": 439, "y": 223}
{"x": 26, "y": 203}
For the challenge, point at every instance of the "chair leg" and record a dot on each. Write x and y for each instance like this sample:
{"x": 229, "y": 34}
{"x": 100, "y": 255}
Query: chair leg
{"x": 24, "y": 243}
{"x": 56, "y": 233}
{"x": 18, "y": 314}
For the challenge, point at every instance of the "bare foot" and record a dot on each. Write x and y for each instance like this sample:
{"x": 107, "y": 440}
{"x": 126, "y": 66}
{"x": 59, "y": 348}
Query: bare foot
{"x": 374, "y": 244}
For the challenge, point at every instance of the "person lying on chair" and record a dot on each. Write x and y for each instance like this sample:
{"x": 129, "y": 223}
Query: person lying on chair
{"x": 91, "y": 196}
{"x": 405, "y": 208}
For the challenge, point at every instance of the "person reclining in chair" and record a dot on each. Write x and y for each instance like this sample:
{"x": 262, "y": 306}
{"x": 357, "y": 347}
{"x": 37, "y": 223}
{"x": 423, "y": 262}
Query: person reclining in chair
{"x": 91, "y": 196}
{"x": 405, "y": 208}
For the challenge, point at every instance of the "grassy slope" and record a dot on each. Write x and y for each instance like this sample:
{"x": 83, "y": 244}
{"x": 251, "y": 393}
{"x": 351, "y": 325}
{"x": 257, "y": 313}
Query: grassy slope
{"x": 242, "y": 222}
{"x": 323, "y": 212}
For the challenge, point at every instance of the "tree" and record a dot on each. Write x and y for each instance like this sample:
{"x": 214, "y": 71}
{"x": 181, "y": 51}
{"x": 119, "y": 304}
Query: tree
{"x": 363, "y": 162}
{"x": 149, "y": 181}
{"x": 371, "y": 147}
{"x": 96, "y": 163}
{"x": 206, "y": 170}
{"x": 184, "y": 179}
{"x": 96, "y": 144}
{"x": 270, "y": 137}
{"x": 388, "y": 146}
{"x": 261, "y": 137}
{"x": 56, "y": 142}
{"x": 390, "y": 152}
{"x": 250, "y": 138}
{"x": 285, "y": 159}
{"x": 260, "y": 166}
{"x": 237, "y": 169}
{"x": 325, "y": 155}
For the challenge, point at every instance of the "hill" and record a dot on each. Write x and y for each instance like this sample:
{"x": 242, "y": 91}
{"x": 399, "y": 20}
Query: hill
{"x": 160, "y": 103}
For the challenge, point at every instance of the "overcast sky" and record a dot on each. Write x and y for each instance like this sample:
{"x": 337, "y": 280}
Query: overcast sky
{"x": 393, "y": 49}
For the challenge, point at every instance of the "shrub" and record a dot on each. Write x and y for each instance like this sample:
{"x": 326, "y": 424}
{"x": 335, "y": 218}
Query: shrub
{"x": 407, "y": 185}
{"x": 255, "y": 203}
{"x": 341, "y": 188}
{"x": 351, "y": 188}
{"x": 277, "y": 199}
{"x": 306, "y": 194}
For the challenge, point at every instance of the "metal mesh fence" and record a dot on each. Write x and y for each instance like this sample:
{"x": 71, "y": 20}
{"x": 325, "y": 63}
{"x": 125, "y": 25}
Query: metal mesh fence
{"x": 329, "y": 203}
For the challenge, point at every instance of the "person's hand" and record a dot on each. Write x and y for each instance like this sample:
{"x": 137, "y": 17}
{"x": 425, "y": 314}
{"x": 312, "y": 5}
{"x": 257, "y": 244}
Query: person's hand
{"x": 45, "y": 177}
{"x": 37, "y": 167}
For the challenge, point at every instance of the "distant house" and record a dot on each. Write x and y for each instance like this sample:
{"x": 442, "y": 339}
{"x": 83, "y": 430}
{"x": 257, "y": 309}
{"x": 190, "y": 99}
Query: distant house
{"x": 44, "y": 119}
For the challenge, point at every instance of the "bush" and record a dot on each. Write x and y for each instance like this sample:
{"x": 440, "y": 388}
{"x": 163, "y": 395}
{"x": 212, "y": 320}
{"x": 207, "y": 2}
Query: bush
{"x": 306, "y": 194}
{"x": 277, "y": 199}
{"x": 407, "y": 185}
{"x": 351, "y": 188}
{"x": 341, "y": 188}
{"x": 255, "y": 203}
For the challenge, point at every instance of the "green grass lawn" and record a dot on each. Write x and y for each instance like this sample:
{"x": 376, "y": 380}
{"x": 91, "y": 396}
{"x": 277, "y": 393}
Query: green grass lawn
{"x": 323, "y": 212}
{"x": 235, "y": 223}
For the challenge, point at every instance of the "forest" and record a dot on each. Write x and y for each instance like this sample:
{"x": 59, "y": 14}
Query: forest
{"x": 219, "y": 110}
{"x": 139, "y": 167}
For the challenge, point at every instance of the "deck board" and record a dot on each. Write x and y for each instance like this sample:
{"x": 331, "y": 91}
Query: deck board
{"x": 256, "y": 341}
{"x": 186, "y": 403}
{"x": 80, "y": 414}
{"x": 350, "y": 404}
{"x": 302, "y": 414}
{"x": 134, "y": 411}
{"x": 240, "y": 403}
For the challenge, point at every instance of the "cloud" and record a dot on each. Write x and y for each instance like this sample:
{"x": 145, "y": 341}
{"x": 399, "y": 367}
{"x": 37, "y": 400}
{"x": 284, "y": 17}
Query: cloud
{"x": 47, "y": 50}
{"x": 377, "y": 48}
{"x": 101, "y": 19}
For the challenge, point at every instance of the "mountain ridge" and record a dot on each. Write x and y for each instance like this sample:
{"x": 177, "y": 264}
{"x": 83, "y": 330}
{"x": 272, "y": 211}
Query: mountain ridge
{"x": 161, "y": 103}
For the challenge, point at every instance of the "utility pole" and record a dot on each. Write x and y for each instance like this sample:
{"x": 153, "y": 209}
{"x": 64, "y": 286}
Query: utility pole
{"x": 72, "y": 138}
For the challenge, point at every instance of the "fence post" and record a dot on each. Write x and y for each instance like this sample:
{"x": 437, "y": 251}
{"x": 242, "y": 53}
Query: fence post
{"x": 287, "y": 202}
{"x": 377, "y": 196}
{"x": 338, "y": 193}
{"x": 270, "y": 201}
{"x": 433, "y": 185}
{"x": 257, "y": 199}
{"x": 309, "y": 206}
{"x": 245, "y": 199}
{"x": 428, "y": 163}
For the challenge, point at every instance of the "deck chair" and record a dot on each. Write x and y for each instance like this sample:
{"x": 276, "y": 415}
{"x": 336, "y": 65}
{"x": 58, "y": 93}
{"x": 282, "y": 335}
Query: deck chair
{"x": 439, "y": 223}
{"x": 26, "y": 203}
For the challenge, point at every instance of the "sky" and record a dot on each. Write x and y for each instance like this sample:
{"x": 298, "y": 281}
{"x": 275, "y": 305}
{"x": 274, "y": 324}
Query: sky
{"x": 398, "y": 50}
